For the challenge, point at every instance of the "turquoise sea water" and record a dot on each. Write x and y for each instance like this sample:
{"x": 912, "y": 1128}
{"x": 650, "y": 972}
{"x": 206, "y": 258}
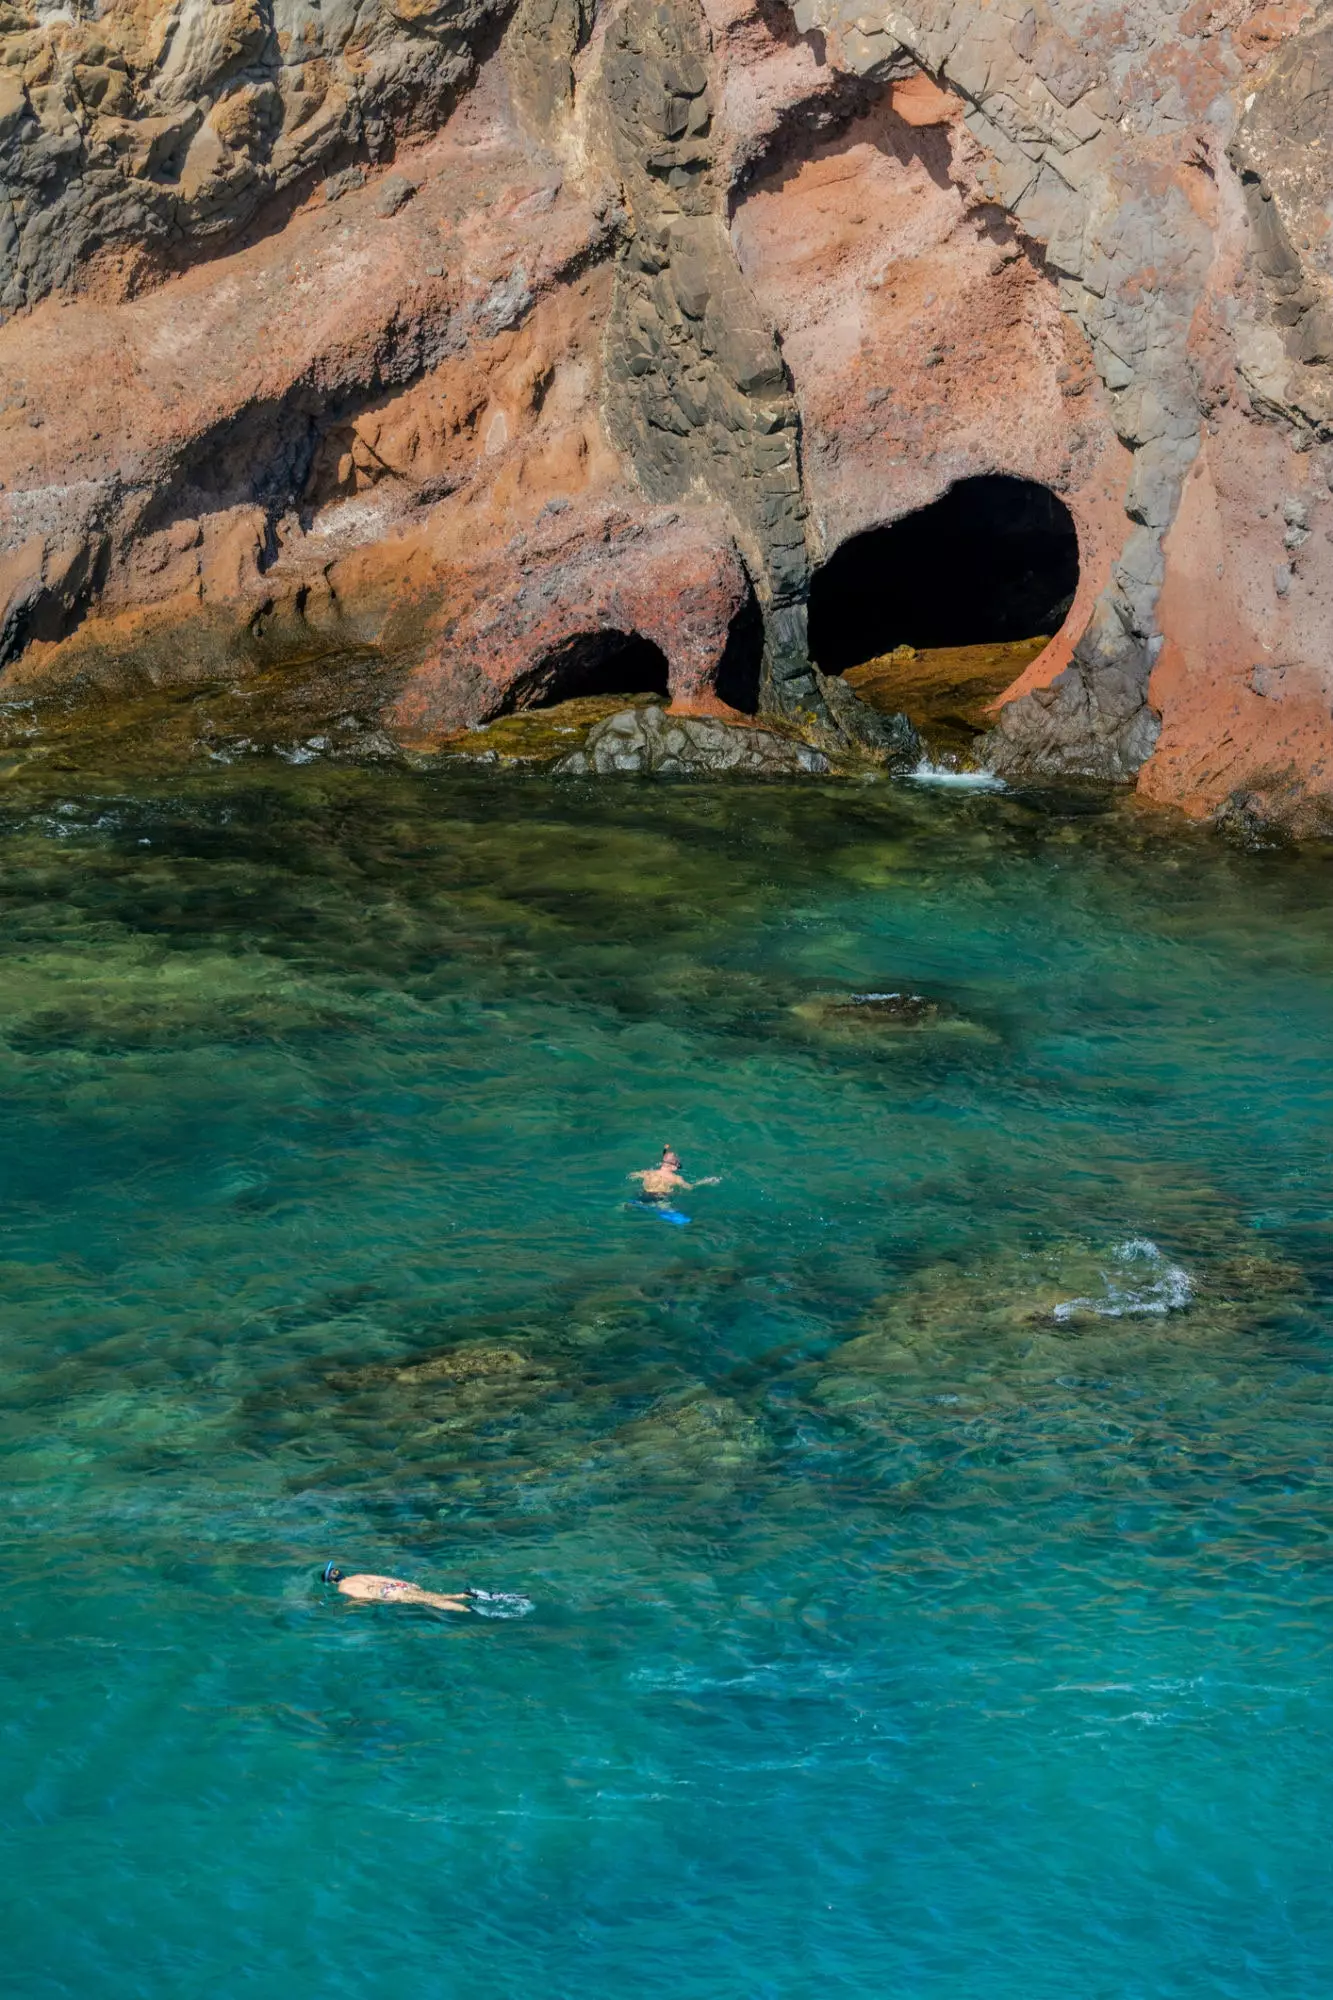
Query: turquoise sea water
{"x": 930, "y": 1545}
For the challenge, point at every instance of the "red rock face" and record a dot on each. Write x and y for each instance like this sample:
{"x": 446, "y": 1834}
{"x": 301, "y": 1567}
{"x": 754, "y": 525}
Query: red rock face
{"x": 586, "y": 574}
{"x": 633, "y": 321}
{"x": 925, "y": 340}
{"x": 1244, "y": 678}
{"x": 1243, "y": 682}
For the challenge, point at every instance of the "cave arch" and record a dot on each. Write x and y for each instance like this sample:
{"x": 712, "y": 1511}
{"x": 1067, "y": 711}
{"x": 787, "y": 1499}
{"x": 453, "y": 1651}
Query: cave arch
{"x": 995, "y": 559}
{"x": 592, "y": 663}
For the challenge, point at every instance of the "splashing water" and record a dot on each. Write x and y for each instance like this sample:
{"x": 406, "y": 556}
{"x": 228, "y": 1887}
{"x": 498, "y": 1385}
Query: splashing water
{"x": 500, "y": 1604}
{"x": 948, "y": 776}
{"x": 1161, "y": 1286}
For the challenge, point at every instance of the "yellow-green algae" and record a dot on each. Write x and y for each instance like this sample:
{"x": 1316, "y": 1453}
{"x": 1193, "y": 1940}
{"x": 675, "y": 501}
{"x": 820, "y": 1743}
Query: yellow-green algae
{"x": 945, "y": 691}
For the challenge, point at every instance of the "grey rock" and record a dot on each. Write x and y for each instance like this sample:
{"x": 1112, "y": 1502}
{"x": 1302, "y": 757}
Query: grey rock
{"x": 644, "y": 741}
{"x": 172, "y": 146}
{"x": 347, "y": 182}
{"x": 395, "y": 193}
{"x": 890, "y": 739}
{"x": 698, "y": 393}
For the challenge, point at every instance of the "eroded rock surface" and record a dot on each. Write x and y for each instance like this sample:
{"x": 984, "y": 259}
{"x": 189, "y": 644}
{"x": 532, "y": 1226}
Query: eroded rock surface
{"x": 499, "y": 341}
{"x": 644, "y": 740}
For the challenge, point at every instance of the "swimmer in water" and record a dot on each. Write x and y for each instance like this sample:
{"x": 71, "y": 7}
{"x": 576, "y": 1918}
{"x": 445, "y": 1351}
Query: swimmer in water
{"x": 661, "y": 1182}
{"x": 367, "y": 1589}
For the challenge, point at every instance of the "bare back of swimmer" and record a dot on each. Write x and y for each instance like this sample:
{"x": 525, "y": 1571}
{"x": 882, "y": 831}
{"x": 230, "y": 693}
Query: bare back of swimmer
{"x": 666, "y": 1178}
{"x": 365, "y": 1588}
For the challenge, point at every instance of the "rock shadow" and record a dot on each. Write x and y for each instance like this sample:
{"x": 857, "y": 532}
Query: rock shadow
{"x": 855, "y": 113}
{"x": 995, "y": 559}
{"x": 591, "y": 663}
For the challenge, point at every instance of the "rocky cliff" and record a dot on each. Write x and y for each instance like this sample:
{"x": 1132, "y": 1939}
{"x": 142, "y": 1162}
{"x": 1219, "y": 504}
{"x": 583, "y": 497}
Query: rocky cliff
{"x": 480, "y": 344}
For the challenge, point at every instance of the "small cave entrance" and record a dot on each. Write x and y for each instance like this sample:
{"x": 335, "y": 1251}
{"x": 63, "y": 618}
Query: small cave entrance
{"x": 993, "y": 561}
{"x": 593, "y": 663}
{"x": 739, "y": 669}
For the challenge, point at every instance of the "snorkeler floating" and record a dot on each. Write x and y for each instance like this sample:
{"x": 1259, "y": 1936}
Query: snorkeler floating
{"x": 366, "y": 1588}
{"x": 661, "y": 1182}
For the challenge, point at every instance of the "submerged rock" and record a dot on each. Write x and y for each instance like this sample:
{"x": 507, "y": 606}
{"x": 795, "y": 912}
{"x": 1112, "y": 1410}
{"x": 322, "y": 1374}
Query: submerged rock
{"x": 692, "y": 1431}
{"x": 1255, "y": 1277}
{"x": 478, "y": 1365}
{"x": 892, "y": 1012}
{"x": 1118, "y": 1293}
{"x": 469, "y": 1363}
{"x": 886, "y": 1009}
{"x": 648, "y": 740}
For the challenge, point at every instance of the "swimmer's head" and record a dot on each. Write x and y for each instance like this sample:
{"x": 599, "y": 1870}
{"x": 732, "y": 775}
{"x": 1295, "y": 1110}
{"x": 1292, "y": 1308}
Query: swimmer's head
{"x": 332, "y": 1573}
{"x": 670, "y": 1157}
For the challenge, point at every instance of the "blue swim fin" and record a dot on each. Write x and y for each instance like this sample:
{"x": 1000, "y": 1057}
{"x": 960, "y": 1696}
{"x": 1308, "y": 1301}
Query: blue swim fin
{"x": 652, "y": 1207}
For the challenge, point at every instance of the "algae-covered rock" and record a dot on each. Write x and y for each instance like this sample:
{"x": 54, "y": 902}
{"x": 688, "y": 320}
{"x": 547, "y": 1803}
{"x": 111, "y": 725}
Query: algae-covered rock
{"x": 693, "y": 1430}
{"x": 887, "y": 1010}
{"x": 1254, "y": 1277}
{"x": 473, "y": 1362}
{"x": 1118, "y": 1292}
{"x": 536, "y": 738}
{"x": 948, "y": 1302}
{"x": 947, "y": 692}
{"x": 639, "y": 741}
{"x": 474, "y": 1368}
{"x": 888, "y": 1013}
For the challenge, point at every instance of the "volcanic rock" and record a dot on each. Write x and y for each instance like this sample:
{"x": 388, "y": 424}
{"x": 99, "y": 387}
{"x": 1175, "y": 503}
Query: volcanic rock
{"x": 486, "y": 337}
{"x": 643, "y": 740}
{"x": 906, "y": 1010}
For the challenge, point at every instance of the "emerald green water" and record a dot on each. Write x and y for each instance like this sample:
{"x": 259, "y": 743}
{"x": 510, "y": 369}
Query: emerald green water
{"x": 902, "y": 1626}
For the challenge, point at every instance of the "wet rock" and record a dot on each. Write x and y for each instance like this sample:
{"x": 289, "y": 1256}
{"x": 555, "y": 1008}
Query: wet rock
{"x": 535, "y": 737}
{"x": 644, "y": 741}
{"x": 1008, "y": 1295}
{"x": 897, "y": 1010}
{"x": 945, "y": 691}
{"x": 1248, "y": 820}
{"x": 888, "y": 1015}
{"x": 1117, "y": 1293}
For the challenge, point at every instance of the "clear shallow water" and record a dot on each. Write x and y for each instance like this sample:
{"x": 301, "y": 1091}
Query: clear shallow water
{"x": 894, "y": 1633}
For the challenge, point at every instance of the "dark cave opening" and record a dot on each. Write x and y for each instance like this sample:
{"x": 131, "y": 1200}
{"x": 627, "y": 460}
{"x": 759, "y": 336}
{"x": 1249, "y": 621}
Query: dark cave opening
{"x": 995, "y": 559}
{"x": 593, "y": 663}
{"x": 739, "y": 669}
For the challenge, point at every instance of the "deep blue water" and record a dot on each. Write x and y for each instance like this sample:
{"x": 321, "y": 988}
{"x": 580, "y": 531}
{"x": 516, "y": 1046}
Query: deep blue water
{"x": 896, "y": 1632}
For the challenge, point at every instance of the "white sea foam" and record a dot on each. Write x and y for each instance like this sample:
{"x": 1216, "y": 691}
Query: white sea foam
{"x": 500, "y": 1604}
{"x": 1144, "y": 1281}
{"x": 927, "y": 773}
